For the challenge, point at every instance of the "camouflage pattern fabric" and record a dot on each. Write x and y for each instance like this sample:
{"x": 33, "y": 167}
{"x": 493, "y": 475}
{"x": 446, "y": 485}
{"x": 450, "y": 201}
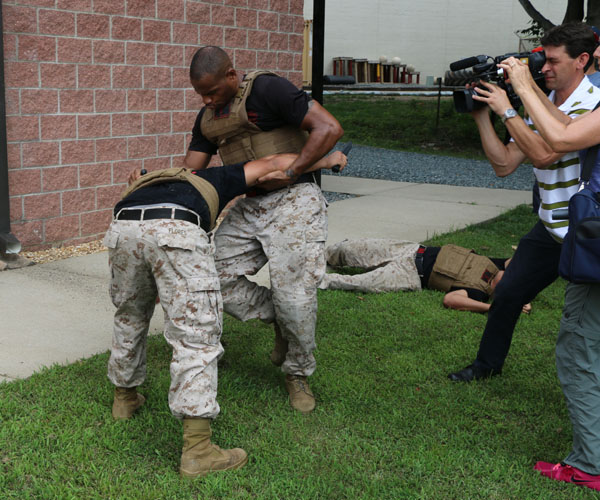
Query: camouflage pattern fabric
{"x": 174, "y": 259}
{"x": 390, "y": 264}
{"x": 286, "y": 228}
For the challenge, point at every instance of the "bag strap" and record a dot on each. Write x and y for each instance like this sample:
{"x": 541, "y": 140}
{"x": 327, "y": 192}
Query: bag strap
{"x": 590, "y": 159}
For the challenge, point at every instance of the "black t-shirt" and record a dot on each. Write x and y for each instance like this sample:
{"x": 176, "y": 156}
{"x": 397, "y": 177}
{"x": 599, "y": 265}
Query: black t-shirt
{"x": 272, "y": 103}
{"x": 429, "y": 257}
{"x": 229, "y": 182}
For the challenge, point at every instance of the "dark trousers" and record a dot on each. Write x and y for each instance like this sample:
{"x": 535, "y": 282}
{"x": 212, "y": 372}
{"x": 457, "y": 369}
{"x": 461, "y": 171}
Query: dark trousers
{"x": 533, "y": 267}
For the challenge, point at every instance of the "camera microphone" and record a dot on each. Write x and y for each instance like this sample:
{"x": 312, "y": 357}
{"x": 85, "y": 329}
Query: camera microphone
{"x": 467, "y": 63}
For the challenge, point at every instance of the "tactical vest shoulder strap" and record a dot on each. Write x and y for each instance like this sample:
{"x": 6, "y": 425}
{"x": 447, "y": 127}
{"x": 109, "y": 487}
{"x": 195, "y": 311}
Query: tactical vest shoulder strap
{"x": 205, "y": 188}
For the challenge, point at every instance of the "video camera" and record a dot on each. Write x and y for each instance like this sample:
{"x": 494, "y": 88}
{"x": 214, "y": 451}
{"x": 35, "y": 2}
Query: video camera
{"x": 486, "y": 68}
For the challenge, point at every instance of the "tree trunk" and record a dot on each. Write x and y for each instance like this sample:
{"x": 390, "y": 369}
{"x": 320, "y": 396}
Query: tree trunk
{"x": 593, "y": 13}
{"x": 536, "y": 16}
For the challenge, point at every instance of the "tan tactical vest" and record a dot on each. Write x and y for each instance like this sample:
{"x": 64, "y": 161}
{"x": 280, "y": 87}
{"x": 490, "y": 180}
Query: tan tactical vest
{"x": 240, "y": 140}
{"x": 206, "y": 189}
{"x": 461, "y": 267}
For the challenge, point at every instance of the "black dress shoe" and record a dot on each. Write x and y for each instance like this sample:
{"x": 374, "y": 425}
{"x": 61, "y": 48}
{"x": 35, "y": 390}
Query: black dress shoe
{"x": 471, "y": 372}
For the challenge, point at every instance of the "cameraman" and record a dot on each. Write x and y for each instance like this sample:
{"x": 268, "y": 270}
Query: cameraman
{"x": 534, "y": 266}
{"x": 578, "y": 343}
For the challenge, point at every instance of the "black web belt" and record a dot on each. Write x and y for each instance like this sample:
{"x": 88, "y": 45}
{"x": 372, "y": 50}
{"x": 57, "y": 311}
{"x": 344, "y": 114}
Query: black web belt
{"x": 158, "y": 213}
{"x": 419, "y": 260}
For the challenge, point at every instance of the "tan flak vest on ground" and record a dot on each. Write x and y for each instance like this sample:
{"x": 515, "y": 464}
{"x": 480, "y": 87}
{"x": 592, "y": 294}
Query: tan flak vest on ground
{"x": 206, "y": 189}
{"x": 240, "y": 140}
{"x": 460, "y": 267}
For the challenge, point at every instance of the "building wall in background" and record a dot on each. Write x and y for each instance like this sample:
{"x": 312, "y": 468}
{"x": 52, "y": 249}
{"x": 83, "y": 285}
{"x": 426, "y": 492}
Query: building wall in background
{"x": 428, "y": 34}
{"x": 97, "y": 88}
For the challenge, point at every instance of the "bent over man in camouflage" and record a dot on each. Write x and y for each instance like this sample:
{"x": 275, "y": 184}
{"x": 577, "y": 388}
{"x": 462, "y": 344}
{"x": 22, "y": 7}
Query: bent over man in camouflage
{"x": 158, "y": 244}
{"x": 250, "y": 117}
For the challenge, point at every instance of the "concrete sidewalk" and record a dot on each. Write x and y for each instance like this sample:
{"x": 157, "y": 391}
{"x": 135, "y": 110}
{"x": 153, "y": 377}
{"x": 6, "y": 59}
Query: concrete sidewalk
{"x": 60, "y": 312}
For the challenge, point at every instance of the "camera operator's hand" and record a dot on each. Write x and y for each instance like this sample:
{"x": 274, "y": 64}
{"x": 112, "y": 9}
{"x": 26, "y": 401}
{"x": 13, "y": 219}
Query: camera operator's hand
{"x": 518, "y": 73}
{"x": 493, "y": 96}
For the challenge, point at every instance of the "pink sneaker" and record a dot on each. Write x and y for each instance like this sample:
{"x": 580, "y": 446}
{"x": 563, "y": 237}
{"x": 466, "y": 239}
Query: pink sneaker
{"x": 564, "y": 472}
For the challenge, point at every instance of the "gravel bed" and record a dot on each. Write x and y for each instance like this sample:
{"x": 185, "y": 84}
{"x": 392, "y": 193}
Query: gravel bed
{"x": 378, "y": 163}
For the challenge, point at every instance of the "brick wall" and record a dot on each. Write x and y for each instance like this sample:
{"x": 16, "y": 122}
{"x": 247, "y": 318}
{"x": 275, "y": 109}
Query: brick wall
{"x": 96, "y": 88}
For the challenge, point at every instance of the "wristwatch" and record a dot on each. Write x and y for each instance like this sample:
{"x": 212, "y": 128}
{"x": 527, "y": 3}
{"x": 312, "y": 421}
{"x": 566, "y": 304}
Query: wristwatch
{"x": 509, "y": 113}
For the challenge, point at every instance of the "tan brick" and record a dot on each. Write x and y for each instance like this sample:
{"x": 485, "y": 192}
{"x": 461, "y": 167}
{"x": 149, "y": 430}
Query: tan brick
{"x": 236, "y": 37}
{"x": 109, "y": 6}
{"x": 21, "y": 74}
{"x": 212, "y": 35}
{"x": 96, "y": 174}
{"x": 74, "y": 50}
{"x": 15, "y": 207}
{"x": 126, "y": 124}
{"x": 238, "y": 3}
{"x": 126, "y": 28}
{"x": 96, "y": 125}
{"x": 24, "y": 181}
{"x": 12, "y": 100}
{"x": 53, "y": 22}
{"x": 170, "y": 55}
{"x": 19, "y": 19}
{"x": 76, "y": 152}
{"x": 61, "y": 228}
{"x": 286, "y": 23}
{"x": 127, "y": 77}
{"x": 108, "y": 52}
{"x": 10, "y": 47}
{"x": 296, "y": 43}
{"x": 59, "y": 127}
{"x": 296, "y": 78}
{"x": 171, "y": 100}
{"x": 141, "y": 147}
{"x": 39, "y": 101}
{"x": 246, "y": 18}
{"x": 197, "y": 13}
{"x": 151, "y": 164}
{"x": 13, "y": 153}
{"x": 60, "y": 76}
{"x": 109, "y": 101}
{"x": 40, "y": 154}
{"x": 93, "y": 76}
{"x": 171, "y": 10}
{"x": 266, "y": 60}
{"x": 41, "y": 206}
{"x": 29, "y": 234}
{"x": 140, "y": 53}
{"x": 93, "y": 26}
{"x": 107, "y": 196}
{"x": 297, "y": 7}
{"x": 157, "y": 123}
{"x": 156, "y": 31}
{"x": 111, "y": 149}
{"x": 96, "y": 223}
{"x": 259, "y": 4}
{"x": 185, "y": 33}
{"x": 76, "y": 101}
{"x": 172, "y": 144}
{"x": 280, "y": 6}
{"x": 59, "y": 179}
{"x": 37, "y": 48}
{"x": 181, "y": 78}
{"x": 285, "y": 61}
{"x": 22, "y": 128}
{"x": 193, "y": 101}
{"x": 141, "y": 100}
{"x": 78, "y": 201}
{"x": 157, "y": 77}
{"x": 141, "y": 8}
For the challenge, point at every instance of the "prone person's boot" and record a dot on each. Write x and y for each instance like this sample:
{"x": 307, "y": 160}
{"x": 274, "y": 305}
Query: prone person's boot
{"x": 200, "y": 457}
{"x": 280, "y": 349}
{"x": 126, "y": 401}
{"x": 301, "y": 397}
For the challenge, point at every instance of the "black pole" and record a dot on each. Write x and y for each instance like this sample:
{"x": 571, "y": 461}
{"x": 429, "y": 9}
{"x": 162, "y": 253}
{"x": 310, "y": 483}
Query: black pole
{"x": 318, "y": 45}
{"x": 437, "y": 118}
{"x": 8, "y": 242}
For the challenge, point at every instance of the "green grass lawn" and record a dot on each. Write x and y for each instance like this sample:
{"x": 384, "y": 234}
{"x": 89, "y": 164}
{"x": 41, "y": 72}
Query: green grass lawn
{"x": 388, "y": 423}
{"x": 408, "y": 124}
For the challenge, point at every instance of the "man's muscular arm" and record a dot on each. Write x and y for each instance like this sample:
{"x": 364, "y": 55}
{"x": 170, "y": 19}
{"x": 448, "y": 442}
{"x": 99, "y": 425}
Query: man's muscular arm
{"x": 196, "y": 160}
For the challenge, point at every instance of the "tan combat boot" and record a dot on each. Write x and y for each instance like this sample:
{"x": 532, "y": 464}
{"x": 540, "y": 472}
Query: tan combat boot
{"x": 200, "y": 457}
{"x": 301, "y": 397}
{"x": 126, "y": 401}
{"x": 280, "y": 349}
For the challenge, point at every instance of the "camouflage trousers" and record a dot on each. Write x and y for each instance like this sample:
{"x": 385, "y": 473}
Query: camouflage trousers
{"x": 286, "y": 228}
{"x": 390, "y": 265}
{"x": 174, "y": 259}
